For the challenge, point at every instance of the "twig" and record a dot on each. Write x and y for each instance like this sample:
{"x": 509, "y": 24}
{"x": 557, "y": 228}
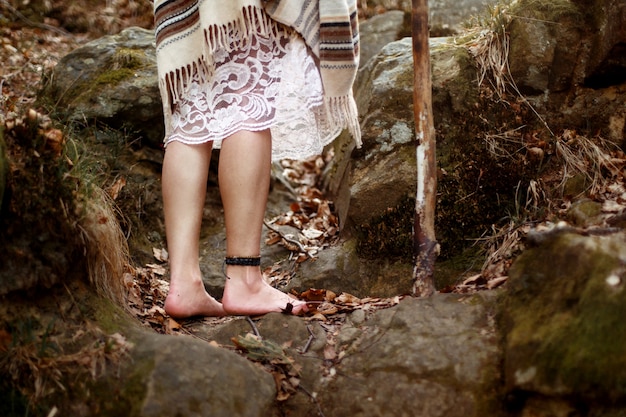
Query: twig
{"x": 255, "y": 330}
{"x": 288, "y": 240}
{"x": 308, "y": 342}
{"x": 312, "y": 397}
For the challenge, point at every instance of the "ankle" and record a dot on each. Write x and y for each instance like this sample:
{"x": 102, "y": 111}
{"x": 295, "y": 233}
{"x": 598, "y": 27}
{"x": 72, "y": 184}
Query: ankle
{"x": 248, "y": 263}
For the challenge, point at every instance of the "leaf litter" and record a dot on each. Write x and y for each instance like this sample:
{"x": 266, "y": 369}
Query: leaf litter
{"x": 308, "y": 227}
{"x": 312, "y": 227}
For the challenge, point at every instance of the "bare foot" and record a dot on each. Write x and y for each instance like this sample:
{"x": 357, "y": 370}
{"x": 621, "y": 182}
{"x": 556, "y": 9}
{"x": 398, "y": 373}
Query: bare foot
{"x": 184, "y": 301}
{"x": 247, "y": 294}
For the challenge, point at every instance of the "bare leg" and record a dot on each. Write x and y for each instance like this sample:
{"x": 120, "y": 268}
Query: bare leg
{"x": 185, "y": 171}
{"x": 244, "y": 178}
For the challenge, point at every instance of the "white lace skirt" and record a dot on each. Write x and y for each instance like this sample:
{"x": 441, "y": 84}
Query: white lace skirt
{"x": 265, "y": 82}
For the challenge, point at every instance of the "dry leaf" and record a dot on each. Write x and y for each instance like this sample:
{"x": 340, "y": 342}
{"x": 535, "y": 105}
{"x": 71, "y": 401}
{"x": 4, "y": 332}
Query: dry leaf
{"x": 115, "y": 189}
{"x": 496, "y": 282}
{"x": 160, "y": 255}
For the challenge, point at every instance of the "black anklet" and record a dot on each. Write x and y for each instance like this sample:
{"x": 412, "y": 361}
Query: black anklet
{"x": 240, "y": 261}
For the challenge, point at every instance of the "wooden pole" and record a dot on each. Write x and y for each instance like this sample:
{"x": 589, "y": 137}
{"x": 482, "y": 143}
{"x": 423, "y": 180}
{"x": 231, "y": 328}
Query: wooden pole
{"x": 425, "y": 248}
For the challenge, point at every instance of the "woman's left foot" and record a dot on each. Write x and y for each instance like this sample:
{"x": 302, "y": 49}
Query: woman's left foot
{"x": 247, "y": 294}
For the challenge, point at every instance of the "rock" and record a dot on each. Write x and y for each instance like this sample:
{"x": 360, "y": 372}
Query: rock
{"x": 562, "y": 320}
{"x": 340, "y": 269}
{"x": 384, "y": 169}
{"x": 603, "y": 56}
{"x": 541, "y": 57}
{"x": 380, "y": 30}
{"x": 426, "y": 357}
{"x": 383, "y": 176}
{"x": 112, "y": 79}
{"x": 446, "y": 17}
{"x": 572, "y": 76}
{"x": 188, "y": 377}
{"x": 585, "y": 213}
{"x": 376, "y": 206}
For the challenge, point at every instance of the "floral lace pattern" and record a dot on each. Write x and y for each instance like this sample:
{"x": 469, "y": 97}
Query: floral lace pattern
{"x": 266, "y": 81}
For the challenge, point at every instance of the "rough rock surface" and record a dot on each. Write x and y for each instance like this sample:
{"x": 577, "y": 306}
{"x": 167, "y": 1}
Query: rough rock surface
{"x": 429, "y": 357}
{"x": 112, "y": 79}
{"x": 189, "y": 377}
{"x": 426, "y": 357}
{"x": 561, "y": 316}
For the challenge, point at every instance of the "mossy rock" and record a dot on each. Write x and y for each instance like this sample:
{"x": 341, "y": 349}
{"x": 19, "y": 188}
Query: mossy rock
{"x": 110, "y": 80}
{"x": 562, "y": 318}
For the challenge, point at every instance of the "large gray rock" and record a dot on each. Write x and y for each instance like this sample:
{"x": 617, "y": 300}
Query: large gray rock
{"x": 340, "y": 269}
{"x": 562, "y": 320}
{"x": 549, "y": 52}
{"x": 433, "y": 357}
{"x": 571, "y": 75}
{"x": 189, "y": 377}
{"x": 380, "y": 30}
{"x": 383, "y": 176}
{"x": 427, "y": 357}
{"x": 112, "y": 79}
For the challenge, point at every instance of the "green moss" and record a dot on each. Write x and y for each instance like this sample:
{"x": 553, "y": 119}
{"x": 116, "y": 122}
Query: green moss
{"x": 123, "y": 65}
{"x": 109, "y": 316}
{"x": 551, "y": 11}
{"x": 124, "y": 396}
{"x": 564, "y": 319}
{"x": 585, "y": 213}
{"x": 129, "y": 58}
{"x": 114, "y": 76}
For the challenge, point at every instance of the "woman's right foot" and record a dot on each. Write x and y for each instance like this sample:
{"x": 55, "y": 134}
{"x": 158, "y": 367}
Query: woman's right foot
{"x": 191, "y": 300}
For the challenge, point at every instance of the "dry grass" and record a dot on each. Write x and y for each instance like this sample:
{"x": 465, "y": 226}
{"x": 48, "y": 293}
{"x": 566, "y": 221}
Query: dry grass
{"x": 42, "y": 363}
{"x": 498, "y": 144}
{"x": 501, "y": 246}
{"x": 106, "y": 248}
{"x": 489, "y": 43}
{"x": 589, "y": 158}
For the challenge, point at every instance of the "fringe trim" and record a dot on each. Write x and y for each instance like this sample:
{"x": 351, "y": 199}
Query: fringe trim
{"x": 342, "y": 111}
{"x": 253, "y": 20}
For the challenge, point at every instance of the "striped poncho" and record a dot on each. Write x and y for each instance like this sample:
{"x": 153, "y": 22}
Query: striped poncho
{"x": 189, "y": 31}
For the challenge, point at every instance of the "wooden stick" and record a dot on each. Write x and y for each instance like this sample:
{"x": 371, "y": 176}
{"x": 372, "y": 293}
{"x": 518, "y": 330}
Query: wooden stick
{"x": 425, "y": 247}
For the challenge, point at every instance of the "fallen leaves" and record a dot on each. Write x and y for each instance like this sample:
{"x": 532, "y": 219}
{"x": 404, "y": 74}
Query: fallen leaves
{"x": 310, "y": 225}
{"x": 285, "y": 370}
{"x": 40, "y": 364}
{"x": 32, "y": 121}
{"x": 324, "y": 303}
{"x": 146, "y": 297}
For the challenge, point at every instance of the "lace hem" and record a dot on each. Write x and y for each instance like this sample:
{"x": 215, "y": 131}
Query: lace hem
{"x": 269, "y": 80}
